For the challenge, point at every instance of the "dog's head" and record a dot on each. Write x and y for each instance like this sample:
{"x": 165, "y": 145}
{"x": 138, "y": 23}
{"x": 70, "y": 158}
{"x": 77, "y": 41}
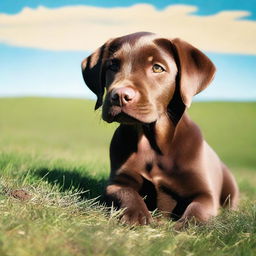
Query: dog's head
{"x": 144, "y": 75}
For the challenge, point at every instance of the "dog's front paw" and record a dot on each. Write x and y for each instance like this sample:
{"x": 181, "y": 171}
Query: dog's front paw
{"x": 181, "y": 225}
{"x": 136, "y": 217}
{"x": 184, "y": 223}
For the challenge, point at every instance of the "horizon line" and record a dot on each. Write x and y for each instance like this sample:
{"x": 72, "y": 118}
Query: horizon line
{"x": 92, "y": 99}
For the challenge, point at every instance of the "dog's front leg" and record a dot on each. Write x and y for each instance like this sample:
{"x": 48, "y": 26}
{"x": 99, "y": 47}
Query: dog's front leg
{"x": 200, "y": 210}
{"x": 127, "y": 198}
{"x": 165, "y": 203}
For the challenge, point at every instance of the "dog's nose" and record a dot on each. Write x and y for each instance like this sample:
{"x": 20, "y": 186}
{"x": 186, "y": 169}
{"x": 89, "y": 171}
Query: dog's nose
{"x": 122, "y": 96}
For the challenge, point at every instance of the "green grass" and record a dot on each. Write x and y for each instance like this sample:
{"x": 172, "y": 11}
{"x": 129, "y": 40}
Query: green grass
{"x": 57, "y": 151}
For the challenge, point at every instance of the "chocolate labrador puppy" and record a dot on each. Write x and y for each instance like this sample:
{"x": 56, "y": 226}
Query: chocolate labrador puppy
{"x": 159, "y": 158}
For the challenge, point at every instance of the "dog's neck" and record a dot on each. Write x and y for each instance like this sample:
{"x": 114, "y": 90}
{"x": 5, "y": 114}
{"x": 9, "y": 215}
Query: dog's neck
{"x": 163, "y": 134}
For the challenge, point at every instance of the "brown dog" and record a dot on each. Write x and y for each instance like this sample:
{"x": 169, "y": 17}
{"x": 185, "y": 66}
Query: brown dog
{"x": 157, "y": 153}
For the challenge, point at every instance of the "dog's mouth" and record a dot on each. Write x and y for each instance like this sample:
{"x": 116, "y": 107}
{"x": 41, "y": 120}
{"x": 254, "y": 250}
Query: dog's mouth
{"x": 123, "y": 118}
{"x": 118, "y": 114}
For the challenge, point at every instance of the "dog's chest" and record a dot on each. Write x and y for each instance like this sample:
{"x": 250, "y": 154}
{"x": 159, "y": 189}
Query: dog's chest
{"x": 153, "y": 166}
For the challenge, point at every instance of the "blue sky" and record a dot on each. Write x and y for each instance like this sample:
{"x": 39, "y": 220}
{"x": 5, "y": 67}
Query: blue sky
{"x": 49, "y": 65}
{"x": 205, "y": 7}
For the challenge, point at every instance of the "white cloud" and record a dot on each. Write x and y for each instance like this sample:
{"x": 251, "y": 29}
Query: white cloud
{"x": 86, "y": 28}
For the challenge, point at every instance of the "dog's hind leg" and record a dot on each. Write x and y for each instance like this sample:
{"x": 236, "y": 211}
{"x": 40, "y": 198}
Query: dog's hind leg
{"x": 230, "y": 192}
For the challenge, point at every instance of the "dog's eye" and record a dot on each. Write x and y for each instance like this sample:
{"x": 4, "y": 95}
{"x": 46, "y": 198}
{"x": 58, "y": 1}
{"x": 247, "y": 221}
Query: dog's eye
{"x": 157, "y": 68}
{"x": 113, "y": 65}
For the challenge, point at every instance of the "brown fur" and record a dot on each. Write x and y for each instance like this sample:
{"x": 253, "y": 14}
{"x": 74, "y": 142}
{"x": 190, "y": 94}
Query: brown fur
{"x": 158, "y": 153}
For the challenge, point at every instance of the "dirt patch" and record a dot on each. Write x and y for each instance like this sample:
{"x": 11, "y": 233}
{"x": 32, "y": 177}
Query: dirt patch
{"x": 20, "y": 194}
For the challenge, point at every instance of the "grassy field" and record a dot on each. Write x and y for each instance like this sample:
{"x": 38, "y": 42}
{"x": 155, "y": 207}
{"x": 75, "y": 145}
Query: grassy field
{"x": 54, "y": 163}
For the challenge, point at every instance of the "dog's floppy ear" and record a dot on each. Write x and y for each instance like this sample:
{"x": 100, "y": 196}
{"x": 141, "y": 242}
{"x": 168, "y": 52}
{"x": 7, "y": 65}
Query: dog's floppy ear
{"x": 196, "y": 69}
{"x": 93, "y": 74}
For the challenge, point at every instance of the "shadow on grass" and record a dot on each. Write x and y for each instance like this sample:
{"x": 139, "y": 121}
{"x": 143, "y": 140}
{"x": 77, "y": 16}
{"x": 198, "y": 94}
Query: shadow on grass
{"x": 90, "y": 186}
